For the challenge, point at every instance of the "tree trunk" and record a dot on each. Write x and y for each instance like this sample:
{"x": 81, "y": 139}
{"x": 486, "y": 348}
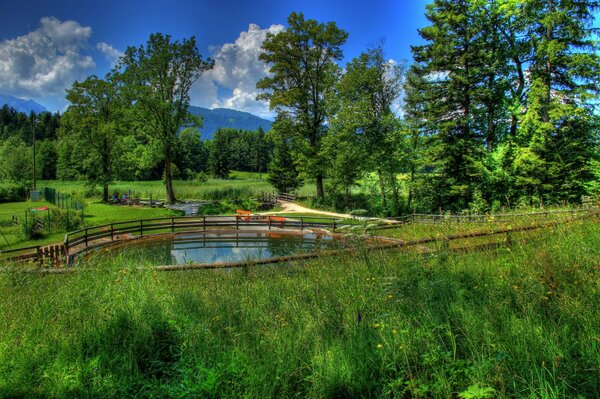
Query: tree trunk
{"x": 169, "y": 182}
{"x": 320, "y": 190}
{"x": 410, "y": 187}
{"x": 395, "y": 196}
{"x": 381, "y": 187}
{"x": 105, "y": 193}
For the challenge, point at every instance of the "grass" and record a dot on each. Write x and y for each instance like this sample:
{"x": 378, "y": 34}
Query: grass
{"x": 523, "y": 321}
{"x": 240, "y": 184}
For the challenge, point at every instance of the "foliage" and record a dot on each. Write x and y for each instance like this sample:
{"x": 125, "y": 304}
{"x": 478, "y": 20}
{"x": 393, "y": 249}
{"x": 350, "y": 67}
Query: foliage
{"x": 93, "y": 122}
{"x": 157, "y": 79}
{"x": 16, "y": 162}
{"x": 303, "y": 69}
{"x": 283, "y": 172}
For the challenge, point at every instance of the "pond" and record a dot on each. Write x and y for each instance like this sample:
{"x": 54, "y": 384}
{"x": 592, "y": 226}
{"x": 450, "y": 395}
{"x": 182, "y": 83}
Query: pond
{"x": 214, "y": 247}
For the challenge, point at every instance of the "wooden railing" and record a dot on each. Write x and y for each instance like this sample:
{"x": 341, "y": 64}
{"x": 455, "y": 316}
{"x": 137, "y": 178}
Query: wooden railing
{"x": 442, "y": 218}
{"x": 109, "y": 232}
{"x": 287, "y": 196}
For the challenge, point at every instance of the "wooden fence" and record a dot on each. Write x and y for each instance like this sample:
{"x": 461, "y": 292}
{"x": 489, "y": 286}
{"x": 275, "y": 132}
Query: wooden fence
{"x": 287, "y": 196}
{"x": 91, "y": 236}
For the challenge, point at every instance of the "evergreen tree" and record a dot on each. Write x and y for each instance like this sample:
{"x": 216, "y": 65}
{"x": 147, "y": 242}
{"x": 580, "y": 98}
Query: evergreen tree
{"x": 283, "y": 172}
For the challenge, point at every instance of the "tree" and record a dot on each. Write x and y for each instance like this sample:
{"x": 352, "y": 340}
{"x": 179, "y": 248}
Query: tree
{"x": 193, "y": 156}
{"x": 283, "y": 172}
{"x": 559, "y": 128}
{"x": 46, "y": 160}
{"x": 157, "y": 79}
{"x": 303, "y": 69}
{"x": 366, "y": 95}
{"x": 93, "y": 122}
{"x": 219, "y": 159}
{"x": 16, "y": 162}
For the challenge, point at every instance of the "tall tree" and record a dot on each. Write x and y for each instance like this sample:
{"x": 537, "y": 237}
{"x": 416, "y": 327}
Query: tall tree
{"x": 366, "y": 96}
{"x": 157, "y": 78}
{"x": 92, "y": 122}
{"x": 302, "y": 61}
{"x": 559, "y": 128}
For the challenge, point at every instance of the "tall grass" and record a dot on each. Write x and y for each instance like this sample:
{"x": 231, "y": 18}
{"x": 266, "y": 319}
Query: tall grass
{"x": 518, "y": 322}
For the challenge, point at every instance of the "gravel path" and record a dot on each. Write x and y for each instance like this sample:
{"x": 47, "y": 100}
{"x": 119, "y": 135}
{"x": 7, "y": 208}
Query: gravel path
{"x": 291, "y": 207}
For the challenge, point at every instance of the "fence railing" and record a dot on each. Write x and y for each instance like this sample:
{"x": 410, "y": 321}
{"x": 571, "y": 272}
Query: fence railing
{"x": 287, "y": 196}
{"x": 109, "y": 232}
{"x": 90, "y": 236}
{"x": 62, "y": 200}
{"x": 441, "y": 218}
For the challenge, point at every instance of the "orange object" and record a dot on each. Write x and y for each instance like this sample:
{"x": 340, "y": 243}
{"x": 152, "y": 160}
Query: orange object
{"x": 241, "y": 212}
{"x": 41, "y": 209}
{"x": 277, "y": 219}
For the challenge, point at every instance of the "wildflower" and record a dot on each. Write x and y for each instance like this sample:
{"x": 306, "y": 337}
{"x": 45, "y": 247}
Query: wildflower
{"x": 390, "y": 296}
{"x": 376, "y": 325}
{"x": 379, "y": 346}
{"x": 394, "y": 331}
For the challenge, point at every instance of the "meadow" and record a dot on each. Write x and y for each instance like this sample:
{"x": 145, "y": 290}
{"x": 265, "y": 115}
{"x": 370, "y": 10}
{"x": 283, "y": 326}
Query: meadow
{"x": 521, "y": 320}
{"x": 239, "y": 184}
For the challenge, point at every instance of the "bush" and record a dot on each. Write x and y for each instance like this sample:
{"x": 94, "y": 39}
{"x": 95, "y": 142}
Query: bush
{"x": 359, "y": 212}
{"x": 13, "y": 194}
{"x": 201, "y": 177}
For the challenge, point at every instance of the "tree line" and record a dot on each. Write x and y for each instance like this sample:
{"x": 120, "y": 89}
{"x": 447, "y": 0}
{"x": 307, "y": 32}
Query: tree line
{"x": 498, "y": 108}
{"x": 64, "y": 152}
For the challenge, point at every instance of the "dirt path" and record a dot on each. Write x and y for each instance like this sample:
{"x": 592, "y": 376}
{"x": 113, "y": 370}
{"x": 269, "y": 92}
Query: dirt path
{"x": 291, "y": 207}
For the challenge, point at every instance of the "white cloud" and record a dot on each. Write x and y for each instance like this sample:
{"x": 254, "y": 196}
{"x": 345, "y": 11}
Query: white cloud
{"x": 237, "y": 68}
{"x": 45, "y": 61}
{"x": 111, "y": 53}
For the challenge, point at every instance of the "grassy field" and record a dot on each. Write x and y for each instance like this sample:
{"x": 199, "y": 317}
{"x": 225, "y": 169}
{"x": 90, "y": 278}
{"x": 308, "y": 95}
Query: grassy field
{"x": 12, "y": 235}
{"x": 523, "y": 321}
{"x": 240, "y": 184}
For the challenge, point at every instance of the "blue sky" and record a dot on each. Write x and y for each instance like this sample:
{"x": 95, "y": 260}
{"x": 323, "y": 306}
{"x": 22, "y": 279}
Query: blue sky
{"x": 46, "y": 45}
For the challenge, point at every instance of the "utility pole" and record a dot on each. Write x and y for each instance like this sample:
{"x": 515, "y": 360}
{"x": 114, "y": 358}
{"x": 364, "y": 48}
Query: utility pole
{"x": 33, "y": 136}
{"x": 35, "y": 195}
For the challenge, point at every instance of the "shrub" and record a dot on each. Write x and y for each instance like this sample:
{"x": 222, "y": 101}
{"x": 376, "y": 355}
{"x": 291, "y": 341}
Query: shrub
{"x": 13, "y": 194}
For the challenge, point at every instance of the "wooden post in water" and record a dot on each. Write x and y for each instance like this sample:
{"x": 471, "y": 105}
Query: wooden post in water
{"x": 172, "y": 222}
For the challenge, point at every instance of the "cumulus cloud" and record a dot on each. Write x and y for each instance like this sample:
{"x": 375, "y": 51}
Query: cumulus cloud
{"x": 45, "y": 61}
{"x": 111, "y": 53}
{"x": 237, "y": 69}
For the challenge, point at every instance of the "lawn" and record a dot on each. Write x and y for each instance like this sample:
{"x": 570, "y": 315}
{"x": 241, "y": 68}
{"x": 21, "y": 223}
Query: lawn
{"x": 519, "y": 321}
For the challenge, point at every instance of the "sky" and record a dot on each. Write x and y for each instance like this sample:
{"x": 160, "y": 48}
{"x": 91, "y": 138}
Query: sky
{"x": 46, "y": 45}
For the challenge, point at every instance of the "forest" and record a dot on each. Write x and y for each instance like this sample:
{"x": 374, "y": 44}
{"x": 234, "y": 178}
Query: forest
{"x": 498, "y": 108}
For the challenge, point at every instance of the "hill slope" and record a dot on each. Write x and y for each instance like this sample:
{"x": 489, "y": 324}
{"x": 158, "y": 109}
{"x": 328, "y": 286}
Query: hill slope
{"x": 21, "y": 105}
{"x": 223, "y": 117}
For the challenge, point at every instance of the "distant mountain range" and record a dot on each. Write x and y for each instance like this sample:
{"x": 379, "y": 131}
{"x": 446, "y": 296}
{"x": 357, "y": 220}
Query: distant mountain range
{"x": 212, "y": 119}
{"x": 223, "y": 117}
{"x": 21, "y": 105}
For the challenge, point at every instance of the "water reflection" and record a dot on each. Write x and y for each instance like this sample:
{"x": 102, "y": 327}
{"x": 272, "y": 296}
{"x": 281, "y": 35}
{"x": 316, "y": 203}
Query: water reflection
{"x": 225, "y": 247}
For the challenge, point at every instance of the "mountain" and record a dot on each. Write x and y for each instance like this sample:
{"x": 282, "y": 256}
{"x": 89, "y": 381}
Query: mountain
{"x": 223, "y": 117}
{"x": 21, "y": 105}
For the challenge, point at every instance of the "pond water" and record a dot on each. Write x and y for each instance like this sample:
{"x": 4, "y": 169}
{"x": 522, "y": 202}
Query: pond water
{"x": 223, "y": 247}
